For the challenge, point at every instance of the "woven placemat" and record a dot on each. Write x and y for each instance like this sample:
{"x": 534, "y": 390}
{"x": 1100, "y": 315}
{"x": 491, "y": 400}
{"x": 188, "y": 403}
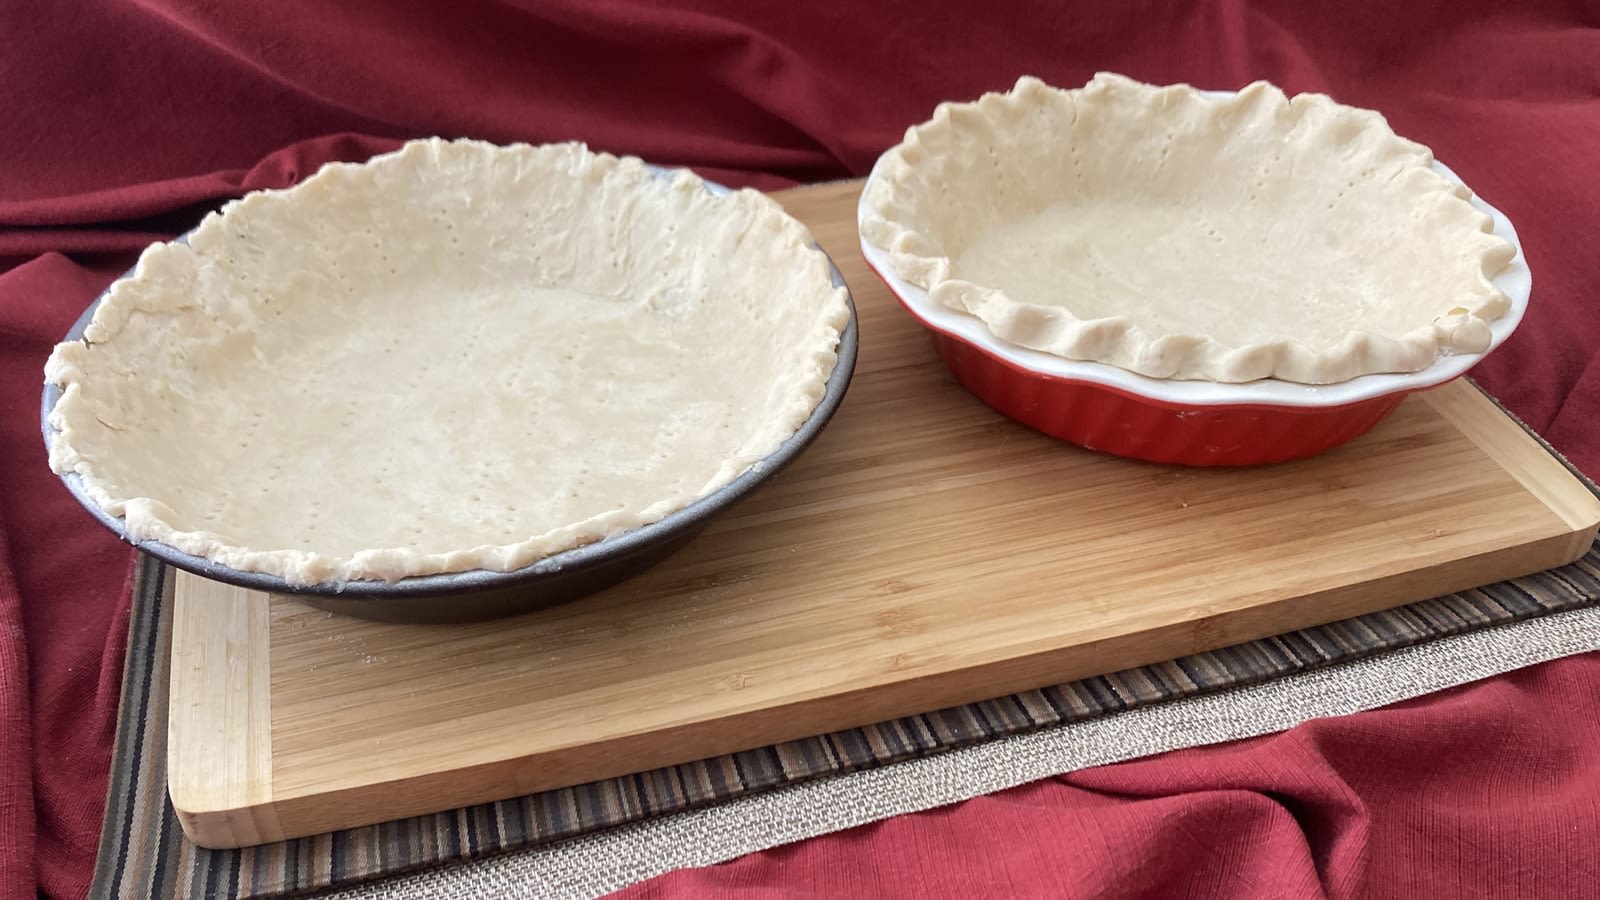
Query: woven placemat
{"x": 143, "y": 852}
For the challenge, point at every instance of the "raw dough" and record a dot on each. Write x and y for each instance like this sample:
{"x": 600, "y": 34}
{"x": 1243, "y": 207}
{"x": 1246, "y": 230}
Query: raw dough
{"x": 1184, "y": 236}
{"x": 454, "y": 356}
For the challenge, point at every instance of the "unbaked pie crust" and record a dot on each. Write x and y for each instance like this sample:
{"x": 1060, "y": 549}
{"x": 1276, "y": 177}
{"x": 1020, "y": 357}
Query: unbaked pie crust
{"x": 1183, "y": 235}
{"x": 455, "y": 356}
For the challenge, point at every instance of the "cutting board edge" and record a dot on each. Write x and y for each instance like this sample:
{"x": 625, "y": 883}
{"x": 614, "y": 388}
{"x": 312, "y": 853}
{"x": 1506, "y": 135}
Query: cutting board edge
{"x": 1472, "y": 412}
{"x": 219, "y": 746}
{"x": 1556, "y": 548}
{"x": 234, "y": 827}
{"x": 294, "y": 812}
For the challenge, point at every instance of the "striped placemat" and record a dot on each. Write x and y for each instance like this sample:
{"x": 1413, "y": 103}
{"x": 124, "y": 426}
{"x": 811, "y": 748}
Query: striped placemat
{"x": 143, "y": 852}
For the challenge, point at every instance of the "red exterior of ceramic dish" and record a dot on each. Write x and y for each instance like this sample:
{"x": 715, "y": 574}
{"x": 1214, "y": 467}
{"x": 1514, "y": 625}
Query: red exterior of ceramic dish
{"x": 1124, "y": 424}
{"x": 1165, "y": 425}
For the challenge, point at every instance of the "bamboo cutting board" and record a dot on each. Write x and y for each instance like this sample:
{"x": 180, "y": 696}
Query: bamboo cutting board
{"x": 925, "y": 552}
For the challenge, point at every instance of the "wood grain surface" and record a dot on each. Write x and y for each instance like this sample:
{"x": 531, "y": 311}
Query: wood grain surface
{"x": 925, "y": 552}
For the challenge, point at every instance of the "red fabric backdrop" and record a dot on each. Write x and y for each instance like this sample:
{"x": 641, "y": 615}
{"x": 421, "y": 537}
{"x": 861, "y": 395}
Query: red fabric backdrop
{"x": 120, "y": 123}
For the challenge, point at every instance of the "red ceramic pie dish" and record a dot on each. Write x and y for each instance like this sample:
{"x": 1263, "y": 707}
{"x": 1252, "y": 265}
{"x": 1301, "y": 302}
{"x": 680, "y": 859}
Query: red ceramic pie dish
{"x": 1195, "y": 423}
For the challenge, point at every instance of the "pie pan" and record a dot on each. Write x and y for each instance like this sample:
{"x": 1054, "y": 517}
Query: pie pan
{"x": 477, "y": 594}
{"x": 1105, "y": 407}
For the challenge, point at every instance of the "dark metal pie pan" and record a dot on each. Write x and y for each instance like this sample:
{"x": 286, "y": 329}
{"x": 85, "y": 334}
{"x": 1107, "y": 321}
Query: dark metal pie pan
{"x": 480, "y": 594}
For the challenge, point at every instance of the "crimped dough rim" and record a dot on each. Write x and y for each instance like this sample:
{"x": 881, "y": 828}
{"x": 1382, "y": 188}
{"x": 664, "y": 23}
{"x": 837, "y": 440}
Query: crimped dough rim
{"x": 937, "y": 183}
{"x": 778, "y": 279}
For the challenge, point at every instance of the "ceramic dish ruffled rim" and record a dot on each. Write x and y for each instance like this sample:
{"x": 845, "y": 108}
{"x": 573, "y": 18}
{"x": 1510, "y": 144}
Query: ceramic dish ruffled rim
{"x": 1515, "y": 280}
{"x": 620, "y": 548}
